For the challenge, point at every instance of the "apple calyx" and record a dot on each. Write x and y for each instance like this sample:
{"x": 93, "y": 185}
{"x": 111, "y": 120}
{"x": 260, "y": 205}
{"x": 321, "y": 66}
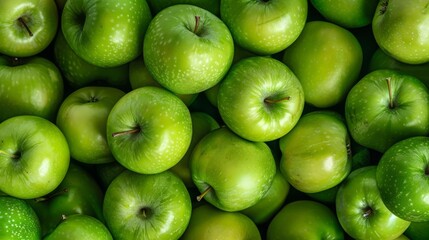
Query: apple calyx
{"x": 131, "y": 131}
{"x": 204, "y": 193}
{"x": 272, "y": 101}
{"x": 144, "y": 213}
{"x": 367, "y": 212}
{"x": 48, "y": 197}
{"x": 22, "y": 20}
{"x": 384, "y": 5}
{"x": 93, "y": 99}
{"x": 389, "y": 88}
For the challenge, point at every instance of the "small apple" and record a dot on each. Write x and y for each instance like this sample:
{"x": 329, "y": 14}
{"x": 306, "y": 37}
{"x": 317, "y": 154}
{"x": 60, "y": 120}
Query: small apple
{"x": 260, "y": 99}
{"x": 149, "y": 130}
{"x": 147, "y": 206}
{"x": 106, "y": 33}
{"x": 187, "y": 49}
{"x": 34, "y": 156}
{"x": 264, "y": 27}
{"x": 27, "y": 27}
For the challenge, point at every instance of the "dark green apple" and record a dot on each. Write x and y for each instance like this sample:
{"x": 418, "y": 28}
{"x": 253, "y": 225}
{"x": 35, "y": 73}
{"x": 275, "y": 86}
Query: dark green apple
{"x": 27, "y": 27}
{"x": 31, "y": 86}
{"x": 418, "y": 231}
{"x": 260, "y": 99}
{"x": 402, "y": 178}
{"x": 147, "y": 206}
{"x": 361, "y": 210}
{"x": 327, "y": 60}
{"x": 106, "y": 172}
{"x": 386, "y": 106}
{"x": 187, "y": 49}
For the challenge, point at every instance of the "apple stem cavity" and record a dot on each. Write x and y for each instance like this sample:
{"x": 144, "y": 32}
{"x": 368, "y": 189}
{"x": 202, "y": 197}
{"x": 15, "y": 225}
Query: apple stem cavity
{"x": 23, "y": 23}
{"x": 9, "y": 155}
{"x": 197, "y": 24}
{"x": 131, "y": 131}
{"x": 383, "y": 7}
{"x": 272, "y": 101}
{"x": 46, "y": 198}
{"x": 201, "y": 196}
{"x": 389, "y": 88}
{"x": 367, "y": 212}
{"x": 145, "y": 212}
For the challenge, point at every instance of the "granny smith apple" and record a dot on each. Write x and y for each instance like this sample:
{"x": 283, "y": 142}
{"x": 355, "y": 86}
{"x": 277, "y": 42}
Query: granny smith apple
{"x": 211, "y": 5}
{"x": 230, "y": 172}
{"x": 260, "y": 99}
{"x": 327, "y": 60}
{"x": 305, "y": 219}
{"x": 82, "y": 117}
{"x": 78, "y": 193}
{"x": 402, "y": 178}
{"x": 79, "y": 73}
{"x": 386, "y": 106}
{"x": 79, "y": 226}
{"x": 361, "y": 210}
{"x": 106, "y": 33}
{"x": 264, "y": 27}
{"x": 202, "y": 124}
{"x": 346, "y": 13}
{"x": 34, "y": 156}
{"x": 147, "y": 206}
{"x": 210, "y": 223}
{"x": 27, "y": 27}
{"x": 400, "y": 29}
{"x": 18, "y": 220}
{"x": 187, "y": 49}
{"x": 149, "y": 130}
{"x": 316, "y": 154}
{"x": 32, "y": 86}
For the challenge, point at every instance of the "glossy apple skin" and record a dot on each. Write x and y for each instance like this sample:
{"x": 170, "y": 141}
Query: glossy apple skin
{"x": 82, "y": 117}
{"x": 18, "y": 220}
{"x": 210, "y": 223}
{"x": 373, "y": 122}
{"x": 229, "y": 165}
{"x": 31, "y": 86}
{"x": 327, "y": 60}
{"x": 105, "y": 33}
{"x": 80, "y": 226}
{"x": 34, "y": 156}
{"x": 402, "y": 179}
{"x": 182, "y": 60}
{"x": 400, "y": 29}
{"x": 316, "y": 153}
{"x": 163, "y": 197}
{"x": 164, "y": 127}
{"x": 40, "y": 16}
{"x": 361, "y": 211}
{"x": 304, "y": 219}
{"x": 245, "y": 90}
{"x": 264, "y": 27}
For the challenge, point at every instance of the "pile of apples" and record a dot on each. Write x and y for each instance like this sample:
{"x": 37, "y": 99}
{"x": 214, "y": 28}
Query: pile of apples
{"x": 214, "y": 119}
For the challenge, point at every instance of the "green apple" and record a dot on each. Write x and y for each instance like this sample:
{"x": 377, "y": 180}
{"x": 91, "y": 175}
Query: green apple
{"x": 402, "y": 178}
{"x": 79, "y": 73}
{"x": 304, "y": 219}
{"x": 211, "y": 5}
{"x": 32, "y": 86}
{"x": 78, "y": 193}
{"x": 27, "y": 27}
{"x": 106, "y": 33}
{"x": 210, "y": 223}
{"x": 386, "y": 106}
{"x": 260, "y": 99}
{"x": 149, "y": 130}
{"x": 361, "y": 211}
{"x": 316, "y": 154}
{"x": 230, "y": 172}
{"x": 380, "y": 60}
{"x": 187, "y": 49}
{"x": 400, "y": 29}
{"x": 34, "y": 156}
{"x": 346, "y": 13}
{"x": 327, "y": 60}
{"x": 418, "y": 231}
{"x": 147, "y": 206}
{"x": 264, "y": 27}
{"x": 82, "y": 117}
{"x": 79, "y": 226}
{"x": 202, "y": 124}
{"x": 18, "y": 220}
{"x": 271, "y": 202}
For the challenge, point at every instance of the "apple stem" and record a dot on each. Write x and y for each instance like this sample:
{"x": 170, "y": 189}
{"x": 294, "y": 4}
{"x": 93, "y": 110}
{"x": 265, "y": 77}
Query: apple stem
{"x": 197, "y": 23}
{"x": 389, "y": 88}
{"x": 63, "y": 217}
{"x": 201, "y": 196}
{"x": 41, "y": 199}
{"x": 270, "y": 101}
{"x": 21, "y": 20}
{"x": 6, "y": 154}
{"x": 367, "y": 213}
{"x": 131, "y": 131}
